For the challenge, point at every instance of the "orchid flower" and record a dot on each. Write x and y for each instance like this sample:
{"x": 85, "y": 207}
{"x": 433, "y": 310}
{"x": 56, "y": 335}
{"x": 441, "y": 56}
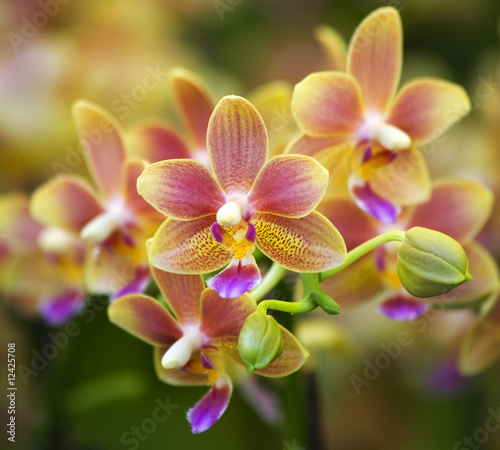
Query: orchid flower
{"x": 192, "y": 341}
{"x": 216, "y": 219}
{"x": 458, "y": 208}
{"x": 41, "y": 266}
{"x": 355, "y": 116}
{"x": 114, "y": 220}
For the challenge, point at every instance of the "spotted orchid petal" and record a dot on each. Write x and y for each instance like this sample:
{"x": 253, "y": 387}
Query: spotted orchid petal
{"x": 58, "y": 310}
{"x": 309, "y": 244}
{"x": 376, "y": 206}
{"x": 458, "y": 208}
{"x": 481, "y": 346}
{"x": 237, "y": 143}
{"x": 426, "y": 108}
{"x": 405, "y": 180}
{"x": 222, "y": 319}
{"x": 289, "y": 186}
{"x": 145, "y": 318}
{"x": 403, "y": 308}
{"x": 67, "y": 202}
{"x": 375, "y": 57}
{"x": 180, "y": 188}
{"x": 328, "y": 103}
{"x": 195, "y": 103}
{"x": 333, "y": 46}
{"x": 157, "y": 141}
{"x": 182, "y": 293}
{"x": 240, "y": 276}
{"x": 103, "y": 142}
{"x": 187, "y": 247}
{"x": 211, "y": 407}
{"x": 355, "y": 226}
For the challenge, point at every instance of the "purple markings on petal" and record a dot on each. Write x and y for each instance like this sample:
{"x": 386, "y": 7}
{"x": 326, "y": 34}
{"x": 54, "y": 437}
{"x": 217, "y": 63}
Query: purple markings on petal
{"x": 216, "y": 231}
{"x": 58, "y": 310}
{"x": 211, "y": 407}
{"x": 446, "y": 380}
{"x": 251, "y": 233}
{"x": 138, "y": 284}
{"x": 378, "y": 207}
{"x": 206, "y": 362}
{"x": 236, "y": 279}
{"x": 367, "y": 154}
{"x": 403, "y": 309}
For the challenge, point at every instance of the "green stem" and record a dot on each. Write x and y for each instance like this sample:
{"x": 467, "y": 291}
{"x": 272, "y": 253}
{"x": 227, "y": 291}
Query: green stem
{"x": 363, "y": 249}
{"x": 301, "y": 307}
{"x": 269, "y": 281}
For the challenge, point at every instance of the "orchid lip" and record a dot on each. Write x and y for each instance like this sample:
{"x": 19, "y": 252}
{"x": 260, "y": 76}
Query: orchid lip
{"x": 179, "y": 354}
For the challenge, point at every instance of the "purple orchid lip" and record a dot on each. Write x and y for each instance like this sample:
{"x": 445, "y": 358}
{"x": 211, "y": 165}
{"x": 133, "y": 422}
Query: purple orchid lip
{"x": 58, "y": 310}
{"x": 216, "y": 231}
{"x": 236, "y": 279}
{"x": 138, "y": 284}
{"x": 378, "y": 207}
{"x": 403, "y": 309}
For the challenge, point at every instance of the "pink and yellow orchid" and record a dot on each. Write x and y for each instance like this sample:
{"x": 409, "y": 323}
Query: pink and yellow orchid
{"x": 457, "y": 208}
{"x": 356, "y": 116}
{"x": 219, "y": 218}
{"x": 192, "y": 341}
{"x": 114, "y": 221}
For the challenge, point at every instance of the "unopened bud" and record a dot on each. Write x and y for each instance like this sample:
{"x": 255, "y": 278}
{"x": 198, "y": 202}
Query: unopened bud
{"x": 260, "y": 341}
{"x": 431, "y": 263}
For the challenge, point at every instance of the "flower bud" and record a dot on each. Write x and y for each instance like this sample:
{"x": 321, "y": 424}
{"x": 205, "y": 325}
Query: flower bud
{"x": 431, "y": 263}
{"x": 260, "y": 341}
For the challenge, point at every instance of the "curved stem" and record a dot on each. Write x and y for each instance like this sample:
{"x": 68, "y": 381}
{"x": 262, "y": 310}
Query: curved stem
{"x": 301, "y": 307}
{"x": 269, "y": 281}
{"x": 362, "y": 250}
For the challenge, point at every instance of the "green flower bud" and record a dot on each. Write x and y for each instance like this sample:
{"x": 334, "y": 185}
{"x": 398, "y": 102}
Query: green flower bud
{"x": 431, "y": 263}
{"x": 260, "y": 341}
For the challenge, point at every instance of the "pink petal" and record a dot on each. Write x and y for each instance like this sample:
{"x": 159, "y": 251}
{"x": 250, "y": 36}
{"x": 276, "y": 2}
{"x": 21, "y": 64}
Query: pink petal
{"x": 240, "y": 276}
{"x": 289, "y": 186}
{"x": 67, "y": 202}
{"x": 309, "y": 244}
{"x": 328, "y": 103}
{"x": 375, "y": 57}
{"x": 182, "y": 293}
{"x": 177, "y": 377}
{"x": 132, "y": 169}
{"x": 237, "y": 143}
{"x": 403, "y": 308}
{"x": 211, "y": 407}
{"x": 223, "y": 318}
{"x": 58, "y": 310}
{"x": 426, "y": 108}
{"x": 102, "y": 138}
{"x": 458, "y": 208}
{"x": 145, "y": 318}
{"x": 181, "y": 189}
{"x": 137, "y": 285}
{"x": 333, "y": 47}
{"x": 187, "y": 247}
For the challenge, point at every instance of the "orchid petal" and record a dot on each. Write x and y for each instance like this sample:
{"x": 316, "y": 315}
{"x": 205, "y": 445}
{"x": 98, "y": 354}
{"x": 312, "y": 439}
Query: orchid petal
{"x": 333, "y": 46}
{"x": 67, "y": 202}
{"x": 289, "y": 186}
{"x": 375, "y": 57}
{"x": 177, "y": 377}
{"x": 132, "y": 169}
{"x": 138, "y": 284}
{"x": 211, "y": 407}
{"x": 404, "y": 180}
{"x": 426, "y": 108}
{"x": 157, "y": 141}
{"x": 224, "y": 318}
{"x": 187, "y": 247}
{"x": 309, "y": 244}
{"x": 195, "y": 103}
{"x": 182, "y": 293}
{"x": 240, "y": 276}
{"x": 328, "y": 103}
{"x": 237, "y": 143}
{"x": 102, "y": 137}
{"x": 145, "y": 318}
{"x": 58, "y": 310}
{"x": 355, "y": 226}
{"x": 180, "y": 188}
{"x": 403, "y": 308}
{"x": 458, "y": 208}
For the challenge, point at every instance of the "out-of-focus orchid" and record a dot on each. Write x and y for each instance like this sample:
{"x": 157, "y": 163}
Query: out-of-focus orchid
{"x": 219, "y": 218}
{"x": 457, "y": 208}
{"x": 192, "y": 341}
{"x": 357, "y": 118}
{"x": 41, "y": 266}
{"x": 114, "y": 221}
